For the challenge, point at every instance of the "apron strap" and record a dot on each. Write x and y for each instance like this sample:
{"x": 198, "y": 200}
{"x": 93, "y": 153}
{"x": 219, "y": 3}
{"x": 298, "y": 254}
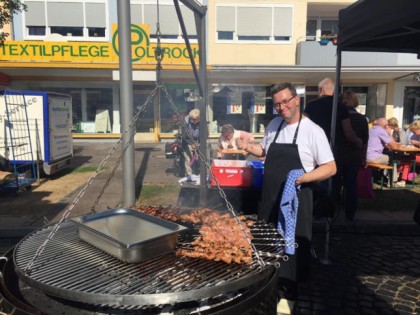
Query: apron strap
{"x": 296, "y": 132}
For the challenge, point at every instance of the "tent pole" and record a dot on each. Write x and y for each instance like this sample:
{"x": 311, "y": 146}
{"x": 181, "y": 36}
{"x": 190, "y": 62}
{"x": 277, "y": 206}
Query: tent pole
{"x": 326, "y": 260}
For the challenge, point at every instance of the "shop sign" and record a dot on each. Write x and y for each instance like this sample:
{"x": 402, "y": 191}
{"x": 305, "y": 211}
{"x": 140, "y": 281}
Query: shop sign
{"x": 258, "y": 108}
{"x": 143, "y": 51}
{"x": 234, "y": 109}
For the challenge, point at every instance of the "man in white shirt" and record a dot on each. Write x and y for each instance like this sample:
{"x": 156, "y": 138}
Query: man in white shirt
{"x": 292, "y": 141}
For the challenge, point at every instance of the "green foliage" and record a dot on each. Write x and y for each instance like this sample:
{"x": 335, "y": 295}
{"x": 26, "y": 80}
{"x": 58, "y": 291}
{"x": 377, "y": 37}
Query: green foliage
{"x": 7, "y": 9}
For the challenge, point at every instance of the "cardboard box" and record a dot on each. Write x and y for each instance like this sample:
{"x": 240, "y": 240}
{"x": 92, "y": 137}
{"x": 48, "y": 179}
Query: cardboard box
{"x": 231, "y": 173}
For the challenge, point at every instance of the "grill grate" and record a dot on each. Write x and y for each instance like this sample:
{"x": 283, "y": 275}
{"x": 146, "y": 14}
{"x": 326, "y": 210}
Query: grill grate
{"x": 71, "y": 269}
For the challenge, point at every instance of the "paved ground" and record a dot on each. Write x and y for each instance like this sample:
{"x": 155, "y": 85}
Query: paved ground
{"x": 372, "y": 266}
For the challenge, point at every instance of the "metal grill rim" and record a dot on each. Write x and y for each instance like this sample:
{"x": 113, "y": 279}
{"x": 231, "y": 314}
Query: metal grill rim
{"x": 73, "y": 269}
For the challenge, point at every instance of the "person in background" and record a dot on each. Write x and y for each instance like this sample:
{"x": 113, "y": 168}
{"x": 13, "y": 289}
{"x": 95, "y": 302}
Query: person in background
{"x": 379, "y": 139}
{"x": 190, "y": 135}
{"x": 228, "y": 140}
{"x": 397, "y": 133}
{"x": 415, "y": 137}
{"x": 415, "y": 133}
{"x": 351, "y": 158}
{"x": 291, "y": 142}
{"x": 399, "y": 136}
{"x": 320, "y": 112}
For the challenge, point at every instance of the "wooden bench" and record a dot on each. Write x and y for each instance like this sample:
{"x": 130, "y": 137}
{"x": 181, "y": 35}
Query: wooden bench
{"x": 379, "y": 166}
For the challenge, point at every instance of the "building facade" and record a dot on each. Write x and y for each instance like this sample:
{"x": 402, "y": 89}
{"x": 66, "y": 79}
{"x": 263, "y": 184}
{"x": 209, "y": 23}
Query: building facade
{"x": 72, "y": 47}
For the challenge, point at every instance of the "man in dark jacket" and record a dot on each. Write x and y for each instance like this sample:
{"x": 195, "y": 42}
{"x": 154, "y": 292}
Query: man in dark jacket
{"x": 320, "y": 112}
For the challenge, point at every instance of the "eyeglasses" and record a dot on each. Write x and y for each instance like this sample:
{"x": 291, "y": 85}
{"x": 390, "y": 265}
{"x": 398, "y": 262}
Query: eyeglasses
{"x": 284, "y": 103}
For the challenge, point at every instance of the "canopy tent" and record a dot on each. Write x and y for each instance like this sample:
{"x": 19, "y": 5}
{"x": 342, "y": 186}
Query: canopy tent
{"x": 380, "y": 25}
{"x": 376, "y": 25}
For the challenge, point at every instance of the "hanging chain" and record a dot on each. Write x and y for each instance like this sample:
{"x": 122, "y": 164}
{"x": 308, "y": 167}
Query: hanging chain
{"x": 212, "y": 177}
{"x": 127, "y": 145}
{"x": 89, "y": 182}
{"x": 158, "y": 51}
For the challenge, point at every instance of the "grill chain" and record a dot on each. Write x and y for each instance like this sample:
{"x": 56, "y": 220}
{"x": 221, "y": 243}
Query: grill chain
{"x": 89, "y": 182}
{"x": 210, "y": 172}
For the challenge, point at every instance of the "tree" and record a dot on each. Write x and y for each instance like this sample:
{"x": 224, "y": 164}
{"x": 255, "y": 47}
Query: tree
{"x": 7, "y": 9}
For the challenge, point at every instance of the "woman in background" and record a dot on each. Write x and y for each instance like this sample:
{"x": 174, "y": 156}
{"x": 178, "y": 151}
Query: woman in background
{"x": 350, "y": 158}
{"x": 397, "y": 133}
{"x": 415, "y": 137}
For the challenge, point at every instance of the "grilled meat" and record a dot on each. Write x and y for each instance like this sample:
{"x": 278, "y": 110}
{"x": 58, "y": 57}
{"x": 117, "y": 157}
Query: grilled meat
{"x": 222, "y": 237}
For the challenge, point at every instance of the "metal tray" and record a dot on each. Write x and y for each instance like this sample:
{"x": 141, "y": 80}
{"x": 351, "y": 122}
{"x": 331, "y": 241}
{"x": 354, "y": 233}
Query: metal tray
{"x": 129, "y": 235}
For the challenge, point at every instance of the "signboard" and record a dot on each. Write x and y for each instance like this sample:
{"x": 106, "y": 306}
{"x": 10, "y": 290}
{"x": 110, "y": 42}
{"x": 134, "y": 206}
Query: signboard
{"x": 60, "y": 113}
{"x": 102, "y": 121}
{"x": 234, "y": 109}
{"x": 143, "y": 51}
{"x": 87, "y": 126}
{"x": 258, "y": 108}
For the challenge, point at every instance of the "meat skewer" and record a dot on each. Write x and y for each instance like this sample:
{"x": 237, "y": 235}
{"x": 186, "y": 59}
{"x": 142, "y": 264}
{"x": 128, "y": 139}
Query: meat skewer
{"x": 222, "y": 237}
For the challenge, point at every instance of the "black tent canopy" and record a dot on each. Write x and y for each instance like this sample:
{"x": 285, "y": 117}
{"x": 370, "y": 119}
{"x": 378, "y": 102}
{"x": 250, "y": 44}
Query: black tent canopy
{"x": 380, "y": 25}
{"x": 377, "y": 26}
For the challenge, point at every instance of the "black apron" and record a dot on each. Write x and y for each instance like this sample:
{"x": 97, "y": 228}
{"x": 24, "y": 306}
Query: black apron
{"x": 282, "y": 158}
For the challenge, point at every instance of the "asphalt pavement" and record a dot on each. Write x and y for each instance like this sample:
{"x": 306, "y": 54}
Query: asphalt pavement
{"x": 368, "y": 266}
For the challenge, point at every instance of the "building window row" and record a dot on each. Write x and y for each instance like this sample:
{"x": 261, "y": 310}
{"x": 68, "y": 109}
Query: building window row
{"x": 88, "y": 19}
{"x": 84, "y": 20}
{"x": 147, "y": 12}
{"x": 254, "y": 23}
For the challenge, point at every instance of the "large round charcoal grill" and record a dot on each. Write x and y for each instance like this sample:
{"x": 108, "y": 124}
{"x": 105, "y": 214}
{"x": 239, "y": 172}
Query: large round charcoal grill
{"x": 75, "y": 274}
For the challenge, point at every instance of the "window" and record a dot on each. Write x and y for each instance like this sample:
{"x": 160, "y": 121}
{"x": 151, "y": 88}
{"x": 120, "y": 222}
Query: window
{"x": 311, "y": 27}
{"x": 169, "y": 27}
{"x": 96, "y": 32}
{"x": 329, "y": 27}
{"x": 67, "y": 31}
{"x": 411, "y": 104}
{"x": 245, "y": 97}
{"x": 36, "y": 30}
{"x": 267, "y": 24}
{"x": 85, "y": 20}
{"x": 320, "y": 26}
